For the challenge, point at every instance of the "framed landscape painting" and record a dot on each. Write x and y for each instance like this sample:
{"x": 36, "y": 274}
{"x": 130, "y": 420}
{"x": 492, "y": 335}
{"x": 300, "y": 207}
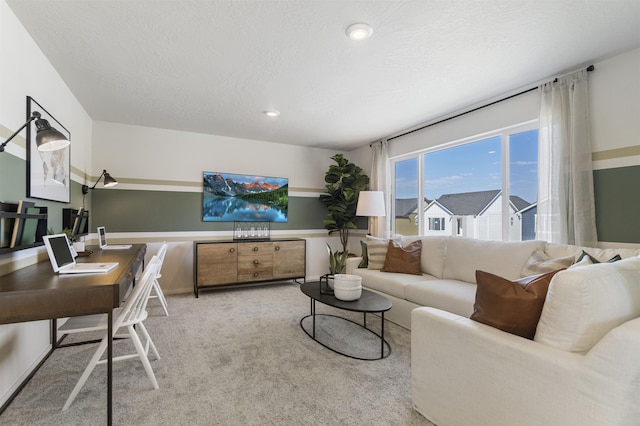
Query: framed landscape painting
{"x": 228, "y": 197}
{"x": 49, "y": 172}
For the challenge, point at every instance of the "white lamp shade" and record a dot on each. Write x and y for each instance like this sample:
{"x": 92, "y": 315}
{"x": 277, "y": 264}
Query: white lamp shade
{"x": 370, "y": 203}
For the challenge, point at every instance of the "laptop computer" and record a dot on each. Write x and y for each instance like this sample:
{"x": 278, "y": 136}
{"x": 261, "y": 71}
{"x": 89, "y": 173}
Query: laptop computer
{"x": 63, "y": 261}
{"x": 102, "y": 240}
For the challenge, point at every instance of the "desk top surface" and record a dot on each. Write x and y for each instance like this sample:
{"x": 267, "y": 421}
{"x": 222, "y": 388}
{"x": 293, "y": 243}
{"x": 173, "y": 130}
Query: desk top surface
{"x": 36, "y": 292}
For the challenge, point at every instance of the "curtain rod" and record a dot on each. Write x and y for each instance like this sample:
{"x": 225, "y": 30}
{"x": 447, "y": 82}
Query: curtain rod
{"x": 589, "y": 69}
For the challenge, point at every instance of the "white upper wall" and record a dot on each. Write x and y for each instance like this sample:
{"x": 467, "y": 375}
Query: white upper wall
{"x": 615, "y": 102}
{"x": 615, "y": 115}
{"x": 25, "y": 71}
{"x": 160, "y": 157}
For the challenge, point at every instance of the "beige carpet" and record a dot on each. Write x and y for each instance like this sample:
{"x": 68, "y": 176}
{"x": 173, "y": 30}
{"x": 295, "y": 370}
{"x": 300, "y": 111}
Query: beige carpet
{"x": 231, "y": 357}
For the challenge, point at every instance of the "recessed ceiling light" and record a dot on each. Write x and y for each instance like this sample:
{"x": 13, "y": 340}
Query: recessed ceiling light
{"x": 272, "y": 113}
{"x": 359, "y": 31}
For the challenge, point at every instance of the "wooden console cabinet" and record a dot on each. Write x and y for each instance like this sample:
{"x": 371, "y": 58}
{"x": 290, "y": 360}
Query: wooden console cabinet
{"x": 221, "y": 263}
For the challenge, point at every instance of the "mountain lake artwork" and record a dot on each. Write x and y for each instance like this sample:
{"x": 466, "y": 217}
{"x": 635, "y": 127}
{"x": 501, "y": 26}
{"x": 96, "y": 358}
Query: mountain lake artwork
{"x": 230, "y": 197}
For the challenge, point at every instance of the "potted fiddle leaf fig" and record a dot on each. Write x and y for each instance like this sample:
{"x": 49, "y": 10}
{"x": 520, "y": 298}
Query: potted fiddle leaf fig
{"x": 344, "y": 181}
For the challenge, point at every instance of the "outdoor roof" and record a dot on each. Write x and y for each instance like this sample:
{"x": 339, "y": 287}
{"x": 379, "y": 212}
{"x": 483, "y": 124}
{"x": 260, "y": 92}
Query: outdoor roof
{"x": 406, "y": 206}
{"x": 473, "y": 203}
{"x": 467, "y": 203}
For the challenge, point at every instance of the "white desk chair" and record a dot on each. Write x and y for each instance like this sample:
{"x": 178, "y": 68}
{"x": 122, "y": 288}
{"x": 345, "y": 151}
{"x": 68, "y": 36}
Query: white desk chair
{"x": 156, "y": 285}
{"x": 133, "y": 313}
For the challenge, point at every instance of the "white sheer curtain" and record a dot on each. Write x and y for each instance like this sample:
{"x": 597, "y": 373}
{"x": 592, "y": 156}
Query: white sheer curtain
{"x": 566, "y": 206}
{"x": 380, "y": 181}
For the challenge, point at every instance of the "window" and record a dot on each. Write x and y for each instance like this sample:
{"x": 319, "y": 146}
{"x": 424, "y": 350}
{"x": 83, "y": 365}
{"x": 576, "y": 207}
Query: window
{"x": 485, "y": 187}
{"x": 406, "y": 197}
{"x": 436, "y": 224}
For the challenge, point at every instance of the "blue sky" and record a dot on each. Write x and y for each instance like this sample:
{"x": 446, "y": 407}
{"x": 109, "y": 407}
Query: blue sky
{"x": 473, "y": 167}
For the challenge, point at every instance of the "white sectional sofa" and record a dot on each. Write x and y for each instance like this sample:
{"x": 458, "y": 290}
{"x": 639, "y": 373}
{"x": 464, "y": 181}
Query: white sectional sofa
{"x": 581, "y": 368}
{"x": 449, "y": 265}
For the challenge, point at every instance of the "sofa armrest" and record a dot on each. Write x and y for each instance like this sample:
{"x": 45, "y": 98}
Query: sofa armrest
{"x": 614, "y": 366}
{"x": 499, "y": 378}
{"x": 352, "y": 264}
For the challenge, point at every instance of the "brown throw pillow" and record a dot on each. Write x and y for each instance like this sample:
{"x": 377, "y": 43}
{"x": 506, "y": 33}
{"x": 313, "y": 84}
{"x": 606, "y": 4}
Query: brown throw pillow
{"x": 405, "y": 260}
{"x": 511, "y": 306}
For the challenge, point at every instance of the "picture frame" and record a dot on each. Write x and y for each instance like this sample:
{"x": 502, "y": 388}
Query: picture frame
{"x": 48, "y": 173}
{"x": 231, "y": 197}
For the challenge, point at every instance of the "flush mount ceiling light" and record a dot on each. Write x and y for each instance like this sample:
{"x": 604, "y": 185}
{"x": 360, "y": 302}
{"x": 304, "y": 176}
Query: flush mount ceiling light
{"x": 271, "y": 113}
{"x": 359, "y": 31}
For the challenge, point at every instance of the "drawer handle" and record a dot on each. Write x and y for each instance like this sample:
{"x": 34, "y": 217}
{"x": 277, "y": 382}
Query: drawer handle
{"x": 255, "y": 274}
{"x": 277, "y": 248}
{"x": 231, "y": 250}
{"x": 256, "y": 262}
{"x": 255, "y": 249}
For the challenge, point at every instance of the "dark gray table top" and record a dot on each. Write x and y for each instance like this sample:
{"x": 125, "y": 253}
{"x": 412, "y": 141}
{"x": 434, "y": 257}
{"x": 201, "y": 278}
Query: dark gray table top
{"x": 368, "y": 301}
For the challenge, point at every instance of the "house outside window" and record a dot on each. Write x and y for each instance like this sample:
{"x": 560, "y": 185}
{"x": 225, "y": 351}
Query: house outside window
{"x": 485, "y": 186}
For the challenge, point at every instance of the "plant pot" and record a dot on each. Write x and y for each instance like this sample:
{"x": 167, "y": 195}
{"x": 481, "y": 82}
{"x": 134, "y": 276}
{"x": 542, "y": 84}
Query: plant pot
{"x": 347, "y": 287}
{"x": 326, "y": 284}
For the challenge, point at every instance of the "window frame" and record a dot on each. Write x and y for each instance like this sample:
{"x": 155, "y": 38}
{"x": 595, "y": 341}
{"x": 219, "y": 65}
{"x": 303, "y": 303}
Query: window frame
{"x": 504, "y": 133}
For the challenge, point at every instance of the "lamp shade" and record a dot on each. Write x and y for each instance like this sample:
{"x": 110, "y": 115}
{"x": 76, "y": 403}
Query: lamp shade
{"x": 48, "y": 138}
{"x": 370, "y": 203}
{"x": 109, "y": 181}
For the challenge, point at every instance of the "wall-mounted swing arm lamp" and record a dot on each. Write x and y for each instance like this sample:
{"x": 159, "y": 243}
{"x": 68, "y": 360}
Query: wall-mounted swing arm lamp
{"x": 47, "y": 137}
{"x": 108, "y": 182}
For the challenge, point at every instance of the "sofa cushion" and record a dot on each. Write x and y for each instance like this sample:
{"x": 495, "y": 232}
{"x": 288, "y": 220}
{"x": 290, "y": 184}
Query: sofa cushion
{"x": 449, "y": 295}
{"x": 584, "y": 303}
{"x": 511, "y": 306}
{"x": 434, "y": 248}
{"x": 405, "y": 260}
{"x": 560, "y": 250}
{"x": 592, "y": 259}
{"x": 391, "y": 283}
{"x": 540, "y": 263}
{"x": 377, "y": 251}
{"x": 465, "y": 256}
{"x": 365, "y": 255}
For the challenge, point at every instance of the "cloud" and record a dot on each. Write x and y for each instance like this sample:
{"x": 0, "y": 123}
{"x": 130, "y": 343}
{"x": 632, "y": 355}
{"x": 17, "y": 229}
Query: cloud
{"x": 404, "y": 184}
{"x": 445, "y": 180}
{"x": 523, "y": 163}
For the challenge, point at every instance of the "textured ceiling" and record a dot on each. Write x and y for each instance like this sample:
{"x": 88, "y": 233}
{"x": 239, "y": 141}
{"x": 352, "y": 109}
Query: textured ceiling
{"x": 214, "y": 66}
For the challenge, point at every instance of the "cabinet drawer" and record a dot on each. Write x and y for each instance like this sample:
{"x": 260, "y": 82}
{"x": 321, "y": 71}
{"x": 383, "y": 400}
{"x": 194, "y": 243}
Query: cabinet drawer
{"x": 255, "y": 248}
{"x": 255, "y": 267}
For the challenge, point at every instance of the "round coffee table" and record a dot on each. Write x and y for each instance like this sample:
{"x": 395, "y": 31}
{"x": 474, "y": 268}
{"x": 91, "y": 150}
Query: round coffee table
{"x": 369, "y": 302}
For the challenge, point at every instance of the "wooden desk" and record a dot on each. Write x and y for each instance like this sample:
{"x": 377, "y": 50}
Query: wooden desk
{"x": 37, "y": 293}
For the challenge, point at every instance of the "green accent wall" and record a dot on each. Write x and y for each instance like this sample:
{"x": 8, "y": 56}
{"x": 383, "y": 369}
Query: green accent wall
{"x": 164, "y": 211}
{"x": 617, "y": 204}
{"x": 13, "y": 188}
